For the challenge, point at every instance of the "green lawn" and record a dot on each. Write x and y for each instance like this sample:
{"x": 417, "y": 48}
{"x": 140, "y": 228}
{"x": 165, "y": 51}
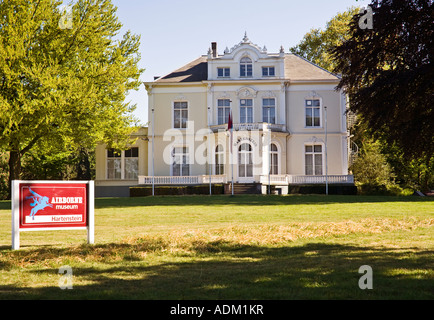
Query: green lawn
{"x": 222, "y": 247}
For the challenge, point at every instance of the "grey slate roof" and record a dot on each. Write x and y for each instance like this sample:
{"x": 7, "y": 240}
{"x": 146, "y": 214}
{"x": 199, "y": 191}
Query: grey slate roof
{"x": 296, "y": 68}
{"x": 197, "y": 70}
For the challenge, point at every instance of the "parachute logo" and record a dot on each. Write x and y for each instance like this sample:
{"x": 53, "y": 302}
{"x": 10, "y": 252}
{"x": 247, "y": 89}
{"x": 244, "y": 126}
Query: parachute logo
{"x": 39, "y": 203}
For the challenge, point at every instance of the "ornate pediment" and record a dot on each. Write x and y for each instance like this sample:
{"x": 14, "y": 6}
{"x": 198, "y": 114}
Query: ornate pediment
{"x": 246, "y": 92}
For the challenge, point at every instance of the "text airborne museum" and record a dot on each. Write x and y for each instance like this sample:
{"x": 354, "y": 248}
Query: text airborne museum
{"x": 288, "y": 125}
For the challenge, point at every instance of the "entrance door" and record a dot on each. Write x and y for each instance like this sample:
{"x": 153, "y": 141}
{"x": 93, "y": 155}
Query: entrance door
{"x": 245, "y": 163}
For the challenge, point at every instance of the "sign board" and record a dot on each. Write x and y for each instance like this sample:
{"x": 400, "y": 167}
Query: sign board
{"x": 52, "y": 205}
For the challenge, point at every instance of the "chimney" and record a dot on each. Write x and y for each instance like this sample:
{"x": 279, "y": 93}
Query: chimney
{"x": 214, "y": 49}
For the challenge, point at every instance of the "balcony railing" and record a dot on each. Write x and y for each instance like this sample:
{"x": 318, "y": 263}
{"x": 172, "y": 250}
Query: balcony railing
{"x": 251, "y": 127}
{"x": 299, "y": 179}
{"x": 181, "y": 180}
{"x": 274, "y": 179}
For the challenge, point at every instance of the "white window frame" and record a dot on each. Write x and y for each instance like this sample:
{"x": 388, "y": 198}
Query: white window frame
{"x": 246, "y": 64}
{"x": 133, "y": 174}
{"x": 219, "y": 166}
{"x": 312, "y": 108}
{"x": 313, "y": 153}
{"x": 267, "y": 69}
{"x": 224, "y": 69}
{"x": 247, "y": 107}
{"x": 181, "y": 109}
{"x": 247, "y": 155}
{"x": 225, "y": 108}
{"x": 182, "y": 164}
{"x": 122, "y": 165}
{"x": 266, "y": 114}
{"x": 114, "y": 158}
{"x": 277, "y": 154}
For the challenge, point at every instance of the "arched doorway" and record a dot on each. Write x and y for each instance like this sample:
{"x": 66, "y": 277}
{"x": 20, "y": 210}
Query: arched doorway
{"x": 245, "y": 163}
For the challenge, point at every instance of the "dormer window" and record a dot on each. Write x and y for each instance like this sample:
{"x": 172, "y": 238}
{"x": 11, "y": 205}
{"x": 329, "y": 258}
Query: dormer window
{"x": 223, "y": 72}
{"x": 268, "y": 72}
{"x": 246, "y": 67}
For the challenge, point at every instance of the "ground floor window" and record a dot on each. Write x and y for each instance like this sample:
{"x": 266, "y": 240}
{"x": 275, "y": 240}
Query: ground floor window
{"x": 131, "y": 163}
{"x": 313, "y": 160}
{"x": 180, "y": 165}
{"x": 245, "y": 161}
{"x": 123, "y": 164}
{"x": 274, "y": 157}
{"x": 219, "y": 160}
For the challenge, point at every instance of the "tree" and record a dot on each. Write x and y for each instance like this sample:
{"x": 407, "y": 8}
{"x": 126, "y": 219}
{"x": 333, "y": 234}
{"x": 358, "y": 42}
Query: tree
{"x": 371, "y": 166}
{"x": 317, "y": 43}
{"x": 63, "y": 88}
{"x": 388, "y": 74}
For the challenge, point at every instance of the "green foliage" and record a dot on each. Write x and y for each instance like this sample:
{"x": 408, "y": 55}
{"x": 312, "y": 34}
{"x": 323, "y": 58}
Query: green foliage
{"x": 372, "y": 172}
{"x": 317, "y": 43}
{"x": 64, "y": 89}
{"x": 371, "y": 166}
{"x": 76, "y": 165}
{"x": 388, "y": 74}
{"x": 4, "y": 175}
{"x": 417, "y": 173}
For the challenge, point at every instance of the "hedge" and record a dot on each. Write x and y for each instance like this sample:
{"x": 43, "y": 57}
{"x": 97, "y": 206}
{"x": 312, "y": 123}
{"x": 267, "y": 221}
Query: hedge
{"x": 176, "y": 190}
{"x": 321, "y": 189}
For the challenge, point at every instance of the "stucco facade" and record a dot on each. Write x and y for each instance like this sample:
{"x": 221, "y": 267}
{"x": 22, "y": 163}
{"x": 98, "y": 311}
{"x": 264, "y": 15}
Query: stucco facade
{"x": 288, "y": 121}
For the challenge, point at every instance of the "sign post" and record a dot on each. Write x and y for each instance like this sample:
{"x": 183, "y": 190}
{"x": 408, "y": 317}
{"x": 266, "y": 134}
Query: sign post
{"x": 52, "y": 205}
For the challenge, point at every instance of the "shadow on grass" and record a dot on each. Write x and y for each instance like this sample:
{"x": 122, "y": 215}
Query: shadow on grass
{"x": 249, "y": 200}
{"x": 223, "y": 270}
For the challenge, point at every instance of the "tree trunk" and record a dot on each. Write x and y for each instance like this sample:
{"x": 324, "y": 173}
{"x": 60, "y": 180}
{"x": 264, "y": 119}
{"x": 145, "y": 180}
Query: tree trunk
{"x": 14, "y": 168}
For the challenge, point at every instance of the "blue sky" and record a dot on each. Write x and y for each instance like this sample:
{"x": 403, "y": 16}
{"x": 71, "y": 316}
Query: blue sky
{"x": 174, "y": 33}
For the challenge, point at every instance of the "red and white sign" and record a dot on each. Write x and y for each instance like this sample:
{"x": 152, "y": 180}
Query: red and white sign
{"x": 53, "y": 205}
{"x": 48, "y": 205}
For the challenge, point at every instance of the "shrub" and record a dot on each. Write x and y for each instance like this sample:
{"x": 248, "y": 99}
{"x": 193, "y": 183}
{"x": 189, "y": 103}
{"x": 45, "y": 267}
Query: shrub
{"x": 175, "y": 190}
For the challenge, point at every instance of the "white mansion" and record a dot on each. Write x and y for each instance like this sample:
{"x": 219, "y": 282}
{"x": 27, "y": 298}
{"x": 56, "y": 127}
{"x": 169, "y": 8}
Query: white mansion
{"x": 288, "y": 125}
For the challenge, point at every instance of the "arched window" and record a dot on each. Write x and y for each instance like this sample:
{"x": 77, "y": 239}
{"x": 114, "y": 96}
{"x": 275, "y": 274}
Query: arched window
{"x": 245, "y": 161}
{"x": 219, "y": 160}
{"x": 274, "y": 159}
{"x": 246, "y": 67}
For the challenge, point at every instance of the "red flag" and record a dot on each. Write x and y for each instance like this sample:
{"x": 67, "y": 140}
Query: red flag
{"x": 230, "y": 128}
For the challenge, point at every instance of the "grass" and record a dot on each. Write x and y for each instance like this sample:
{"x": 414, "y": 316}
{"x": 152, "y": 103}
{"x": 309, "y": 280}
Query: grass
{"x": 222, "y": 247}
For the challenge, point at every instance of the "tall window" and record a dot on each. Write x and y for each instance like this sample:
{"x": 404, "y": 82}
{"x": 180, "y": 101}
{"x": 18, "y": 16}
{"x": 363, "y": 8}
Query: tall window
{"x": 223, "y": 109}
{"x": 180, "y": 166}
{"x": 245, "y": 161}
{"x": 180, "y": 114}
{"x": 131, "y": 163}
{"x": 274, "y": 165}
{"x": 219, "y": 160}
{"x": 313, "y": 160}
{"x": 123, "y": 164}
{"x": 114, "y": 159}
{"x": 246, "y": 111}
{"x": 246, "y": 67}
{"x": 269, "y": 110}
{"x": 313, "y": 118}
